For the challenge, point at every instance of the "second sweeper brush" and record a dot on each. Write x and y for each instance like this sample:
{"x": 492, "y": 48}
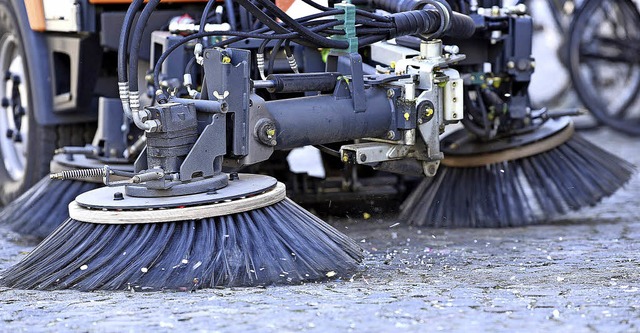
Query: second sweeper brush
{"x": 521, "y": 180}
{"x": 43, "y": 207}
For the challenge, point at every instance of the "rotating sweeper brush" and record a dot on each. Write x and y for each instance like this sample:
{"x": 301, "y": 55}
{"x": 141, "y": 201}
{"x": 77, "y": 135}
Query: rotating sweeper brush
{"x": 522, "y": 179}
{"x": 245, "y": 234}
{"x": 511, "y": 165}
{"x": 182, "y": 223}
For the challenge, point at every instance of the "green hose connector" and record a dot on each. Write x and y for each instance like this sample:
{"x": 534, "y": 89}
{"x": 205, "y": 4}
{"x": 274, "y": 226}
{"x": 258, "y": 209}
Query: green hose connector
{"x": 349, "y": 27}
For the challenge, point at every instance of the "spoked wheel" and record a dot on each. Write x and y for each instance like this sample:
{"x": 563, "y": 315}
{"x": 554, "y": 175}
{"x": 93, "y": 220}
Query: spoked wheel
{"x": 25, "y": 146}
{"x": 604, "y": 45}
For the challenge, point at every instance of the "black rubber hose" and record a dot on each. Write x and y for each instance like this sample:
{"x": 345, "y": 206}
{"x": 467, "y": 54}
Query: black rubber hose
{"x": 462, "y": 26}
{"x": 205, "y": 13}
{"x": 428, "y": 21}
{"x": 239, "y": 36}
{"x": 314, "y": 38}
{"x": 371, "y": 39}
{"x": 301, "y": 20}
{"x": 231, "y": 14}
{"x": 137, "y": 40}
{"x": 262, "y": 17}
{"x": 398, "y": 6}
{"x": 273, "y": 55}
{"x": 287, "y": 48}
{"x": 124, "y": 39}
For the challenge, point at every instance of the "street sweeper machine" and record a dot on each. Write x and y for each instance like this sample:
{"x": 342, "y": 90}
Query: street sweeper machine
{"x": 394, "y": 75}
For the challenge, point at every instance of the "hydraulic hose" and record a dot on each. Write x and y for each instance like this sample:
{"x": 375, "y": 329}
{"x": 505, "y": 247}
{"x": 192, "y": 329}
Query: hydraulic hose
{"x": 123, "y": 47}
{"x": 134, "y": 94}
{"x": 124, "y": 39}
{"x": 136, "y": 42}
{"x": 205, "y": 13}
{"x": 399, "y": 6}
{"x": 411, "y": 18}
{"x": 428, "y": 22}
{"x": 231, "y": 14}
{"x": 310, "y": 38}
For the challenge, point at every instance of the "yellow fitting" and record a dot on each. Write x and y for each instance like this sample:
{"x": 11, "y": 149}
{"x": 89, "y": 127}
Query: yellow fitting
{"x": 271, "y": 132}
{"x": 226, "y": 60}
{"x": 428, "y": 112}
{"x": 406, "y": 116}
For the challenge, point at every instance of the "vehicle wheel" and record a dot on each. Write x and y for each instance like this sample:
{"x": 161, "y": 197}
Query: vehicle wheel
{"x": 25, "y": 146}
{"x": 603, "y": 62}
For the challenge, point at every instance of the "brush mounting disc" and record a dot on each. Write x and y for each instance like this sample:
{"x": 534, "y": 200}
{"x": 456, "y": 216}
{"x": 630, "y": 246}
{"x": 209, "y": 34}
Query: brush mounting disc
{"x": 462, "y": 150}
{"x": 249, "y": 192}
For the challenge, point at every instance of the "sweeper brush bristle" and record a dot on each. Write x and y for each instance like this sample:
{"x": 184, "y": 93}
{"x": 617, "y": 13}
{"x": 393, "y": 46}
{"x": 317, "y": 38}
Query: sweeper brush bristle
{"x": 277, "y": 244}
{"x": 43, "y": 207}
{"x": 523, "y": 191}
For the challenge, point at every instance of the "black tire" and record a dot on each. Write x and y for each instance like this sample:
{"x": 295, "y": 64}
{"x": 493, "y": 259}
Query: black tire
{"x": 23, "y": 163}
{"x": 603, "y": 62}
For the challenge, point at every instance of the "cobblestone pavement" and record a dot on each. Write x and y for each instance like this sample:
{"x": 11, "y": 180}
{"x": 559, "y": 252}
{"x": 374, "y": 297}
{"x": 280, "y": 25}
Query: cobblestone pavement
{"x": 581, "y": 273}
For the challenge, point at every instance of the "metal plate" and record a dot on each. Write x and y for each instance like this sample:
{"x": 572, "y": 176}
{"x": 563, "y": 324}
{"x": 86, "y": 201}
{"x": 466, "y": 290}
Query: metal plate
{"x": 82, "y": 162}
{"x": 246, "y": 185}
{"x": 141, "y": 216}
{"x": 462, "y": 143}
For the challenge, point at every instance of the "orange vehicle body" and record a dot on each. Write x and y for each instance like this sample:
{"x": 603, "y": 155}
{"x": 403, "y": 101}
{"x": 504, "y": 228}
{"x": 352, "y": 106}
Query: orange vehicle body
{"x": 35, "y": 10}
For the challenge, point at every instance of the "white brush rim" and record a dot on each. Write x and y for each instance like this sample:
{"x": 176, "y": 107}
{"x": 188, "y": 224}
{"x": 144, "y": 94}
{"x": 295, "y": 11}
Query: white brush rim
{"x": 103, "y": 216}
{"x": 511, "y": 154}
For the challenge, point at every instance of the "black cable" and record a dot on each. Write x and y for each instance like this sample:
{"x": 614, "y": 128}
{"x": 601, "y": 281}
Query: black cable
{"x": 287, "y": 48}
{"x": 124, "y": 39}
{"x": 368, "y": 40}
{"x": 239, "y": 35}
{"x": 273, "y": 55}
{"x": 317, "y": 40}
{"x": 374, "y": 16}
{"x": 316, "y": 5}
{"x": 386, "y": 79}
{"x": 372, "y": 31}
{"x": 358, "y": 11}
{"x": 205, "y": 13}
{"x": 269, "y": 22}
{"x": 373, "y": 23}
{"x": 136, "y": 41}
{"x": 189, "y": 66}
{"x": 310, "y": 38}
{"x": 310, "y": 41}
{"x": 263, "y": 45}
{"x": 231, "y": 14}
{"x": 328, "y": 150}
{"x": 289, "y": 21}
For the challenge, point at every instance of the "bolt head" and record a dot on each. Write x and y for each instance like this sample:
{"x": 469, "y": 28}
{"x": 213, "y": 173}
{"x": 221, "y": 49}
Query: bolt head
{"x": 390, "y": 93}
{"x": 391, "y": 135}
